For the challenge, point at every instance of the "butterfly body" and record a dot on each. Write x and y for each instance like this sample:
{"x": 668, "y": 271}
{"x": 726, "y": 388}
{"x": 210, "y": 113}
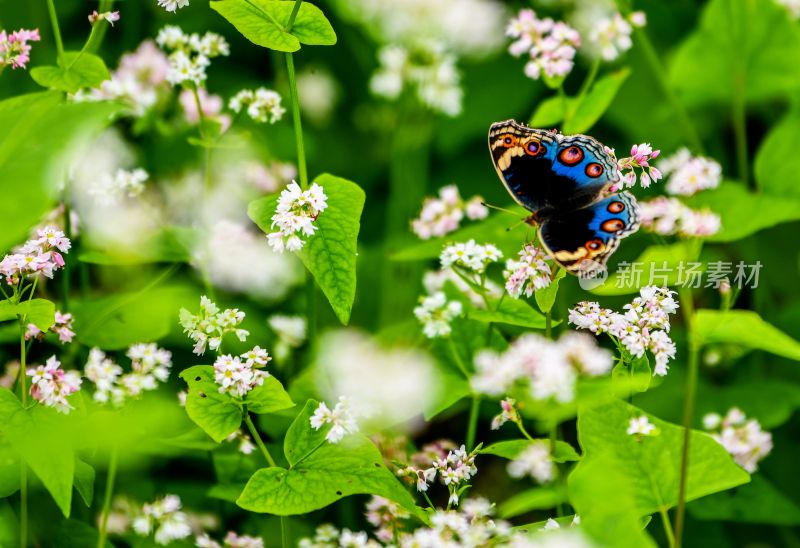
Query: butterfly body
{"x": 565, "y": 182}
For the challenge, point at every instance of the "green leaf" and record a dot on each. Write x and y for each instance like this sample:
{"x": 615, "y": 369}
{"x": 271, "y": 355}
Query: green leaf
{"x": 736, "y": 206}
{"x": 634, "y": 373}
{"x": 219, "y": 415}
{"x": 776, "y": 164}
{"x": 511, "y": 449}
{"x": 651, "y": 464}
{"x": 546, "y": 297}
{"x": 39, "y": 312}
{"x": 741, "y": 46}
{"x": 301, "y": 439}
{"x": 595, "y": 103}
{"x": 45, "y": 131}
{"x": 84, "y": 481}
{"x": 539, "y": 498}
{"x": 263, "y": 22}
{"x": 760, "y": 501}
{"x": 510, "y": 311}
{"x": 77, "y": 534}
{"x": 663, "y": 261}
{"x": 330, "y": 254}
{"x": 550, "y": 112}
{"x": 268, "y": 397}
{"x": 39, "y": 437}
{"x": 78, "y": 70}
{"x": 745, "y": 328}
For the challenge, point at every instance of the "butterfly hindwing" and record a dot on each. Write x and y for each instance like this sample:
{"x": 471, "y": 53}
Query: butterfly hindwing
{"x": 547, "y": 172}
{"x": 582, "y": 240}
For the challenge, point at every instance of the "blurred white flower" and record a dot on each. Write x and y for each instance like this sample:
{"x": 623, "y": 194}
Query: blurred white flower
{"x": 341, "y": 418}
{"x": 744, "y": 439}
{"x": 534, "y": 461}
{"x": 640, "y": 426}
{"x": 165, "y": 518}
{"x": 443, "y": 214}
{"x": 689, "y": 174}
{"x": 109, "y": 188}
{"x": 190, "y": 54}
{"x": 792, "y": 6}
{"x": 669, "y": 216}
{"x": 319, "y": 93}
{"x": 172, "y": 5}
{"x": 435, "y": 280}
{"x": 210, "y": 103}
{"x": 269, "y": 177}
{"x": 611, "y": 35}
{"x": 435, "y": 313}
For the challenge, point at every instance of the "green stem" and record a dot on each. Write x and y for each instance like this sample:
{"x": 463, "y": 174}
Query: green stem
{"x": 298, "y": 124}
{"x": 687, "y": 306}
{"x": 667, "y": 527}
{"x": 51, "y": 10}
{"x": 472, "y": 425}
{"x": 65, "y": 275}
{"x": 253, "y": 432}
{"x": 428, "y": 499}
{"x": 457, "y": 358}
{"x": 23, "y": 471}
{"x": 739, "y": 115}
{"x": 304, "y": 457}
{"x": 293, "y": 15}
{"x": 659, "y": 71}
{"x": 111, "y": 477}
{"x": 548, "y": 325}
{"x": 311, "y": 306}
{"x": 285, "y": 540}
{"x": 585, "y": 87}
{"x": 523, "y": 430}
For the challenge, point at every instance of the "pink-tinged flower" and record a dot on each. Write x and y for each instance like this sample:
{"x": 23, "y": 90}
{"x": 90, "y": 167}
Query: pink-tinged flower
{"x": 669, "y": 216}
{"x": 611, "y": 36}
{"x": 508, "y": 413}
{"x": 51, "y": 385}
{"x": 744, "y": 439}
{"x": 14, "y": 48}
{"x": 690, "y": 174}
{"x": 238, "y": 375}
{"x": 110, "y": 16}
{"x": 443, "y": 214}
{"x": 62, "y": 327}
{"x": 528, "y": 274}
{"x": 638, "y": 161}
{"x": 40, "y": 255}
{"x": 551, "y": 45}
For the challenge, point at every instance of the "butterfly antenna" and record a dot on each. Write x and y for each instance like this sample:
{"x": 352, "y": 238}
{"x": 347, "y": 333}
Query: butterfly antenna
{"x": 490, "y": 206}
{"x": 512, "y": 227}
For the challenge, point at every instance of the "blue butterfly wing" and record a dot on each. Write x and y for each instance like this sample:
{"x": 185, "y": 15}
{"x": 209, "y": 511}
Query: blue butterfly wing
{"x": 547, "y": 172}
{"x": 582, "y": 240}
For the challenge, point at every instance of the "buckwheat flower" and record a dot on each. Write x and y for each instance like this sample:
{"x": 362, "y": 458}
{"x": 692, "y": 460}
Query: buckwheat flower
{"x": 110, "y": 16}
{"x": 110, "y": 189}
{"x": 294, "y": 217}
{"x": 436, "y": 313}
{"x": 640, "y": 426}
{"x": 508, "y": 413}
{"x": 744, "y": 439}
{"x": 527, "y": 274}
{"x": 262, "y": 105}
{"x": 62, "y": 327}
{"x": 638, "y": 161}
{"x": 442, "y": 215}
{"x": 611, "y": 35}
{"x": 190, "y": 55}
{"x": 582, "y": 352}
{"x": 386, "y": 517}
{"x": 669, "y": 216}
{"x": 535, "y": 461}
{"x": 172, "y": 5}
{"x": 341, "y": 417}
{"x": 240, "y": 374}
{"x": 105, "y": 374}
{"x": 51, "y": 385}
{"x": 550, "y": 45}
{"x": 291, "y": 329}
{"x": 14, "y": 48}
{"x": 687, "y": 174}
{"x": 164, "y": 518}
{"x": 711, "y": 421}
{"x": 40, "y": 255}
{"x": 149, "y": 359}
{"x": 210, "y": 325}
{"x": 470, "y": 256}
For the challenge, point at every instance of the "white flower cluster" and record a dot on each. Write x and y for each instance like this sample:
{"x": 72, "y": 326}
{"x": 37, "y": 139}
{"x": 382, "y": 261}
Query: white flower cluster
{"x": 295, "y": 215}
{"x": 434, "y": 281}
{"x": 551, "y": 368}
{"x": 164, "y": 517}
{"x": 40, "y": 255}
{"x": 342, "y": 419}
{"x": 527, "y": 274}
{"x": 442, "y": 215}
{"x": 149, "y": 366}
{"x": 535, "y": 461}
{"x": 550, "y": 45}
{"x": 689, "y": 174}
{"x": 246, "y": 445}
{"x": 454, "y": 470}
{"x": 552, "y": 524}
{"x": 611, "y": 36}
{"x": 238, "y": 375}
{"x": 263, "y": 105}
{"x": 643, "y": 326}
{"x": 670, "y": 216}
{"x": 640, "y": 426}
{"x": 635, "y": 167}
{"x": 139, "y": 81}
{"x": 208, "y": 327}
{"x": 744, "y": 439}
{"x": 429, "y": 72}
{"x": 172, "y": 5}
{"x": 470, "y": 255}
{"x": 190, "y": 54}
{"x": 62, "y": 327}
{"x": 436, "y": 312}
{"x": 231, "y": 540}
{"x": 328, "y": 536}
{"x": 470, "y": 526}
{"x": 51, "y": 385}
{"x": 110, "y": 189}
{"x": 385, "y": 516}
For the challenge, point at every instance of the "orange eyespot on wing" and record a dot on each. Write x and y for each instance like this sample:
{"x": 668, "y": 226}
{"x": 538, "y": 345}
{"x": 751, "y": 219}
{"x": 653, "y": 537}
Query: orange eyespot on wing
{"x": 594, "y": 170}
{"x": 571, "y": 155}
{"x": 613, "y": 225}
{"x": 508, "y": 140}
{"x": 595, "y": 246}
{"x": 616, "y": 207}
{"x": 534, "y": 148}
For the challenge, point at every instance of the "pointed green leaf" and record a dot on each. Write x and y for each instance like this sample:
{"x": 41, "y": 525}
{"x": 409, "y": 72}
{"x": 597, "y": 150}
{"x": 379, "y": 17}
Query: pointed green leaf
{"x": 760, "y": 501}
{"x": 596, "y": 102}
{"x": 263, "y": 22}
{"x": 84, "y": 481}
{"x": 746, "y": 328}
{"x": 546, "y": 297}
{"x": 268, "y": 397}
{"x": 78, "y": 70}
{"x": 217, "y": 414}
{"x": 777, "y": 164}
{"x": 510, "y": 311}
{"x": 39, "y": 312}
{"x": 511, "y": 449}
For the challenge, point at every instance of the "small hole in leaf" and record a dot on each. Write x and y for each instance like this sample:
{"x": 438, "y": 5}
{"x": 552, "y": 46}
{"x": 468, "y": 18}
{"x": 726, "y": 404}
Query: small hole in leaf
{"x": 197, "y": 378}
{"x": 339, "y": 493}
{"x": 202, "y": 394}
{"x": 377, "y": 465}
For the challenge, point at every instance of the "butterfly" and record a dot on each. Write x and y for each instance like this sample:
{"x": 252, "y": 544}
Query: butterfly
{"x": 567, "y": 183}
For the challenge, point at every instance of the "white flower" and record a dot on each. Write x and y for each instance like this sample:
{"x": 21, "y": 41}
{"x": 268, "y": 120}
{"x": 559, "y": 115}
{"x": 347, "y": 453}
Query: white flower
{"x": 528, "y": 274}
{"x": 163, "y": 516}
{"x": 294, "y": 217}
{"x": 470, "y": 256}
{"x": 436, "y": 312}
{"x": 110, "y": 189}
{"x": 793, "y": 6}
{"x": 689, "y": 174}
{"x": 208, "y": 327}
{"x": 611, "y": 35}
{"x": 640, "y": 426}
{"x": 442, "y": 215}
{"x": 550, "y": 45}
{"x": 535, "y": 461}
{"x": 669, "y": 216}
{"x": 341, "y": 418}
{"x": 191, "y": 54}
{"x": 711, "y": 421}
{"x": 172, "y": 5}
{"x": 744, "y": 439}
{"x": 239, "y": 375}
{"x": 262, "y": 105}
{"x": 51, "y": 385}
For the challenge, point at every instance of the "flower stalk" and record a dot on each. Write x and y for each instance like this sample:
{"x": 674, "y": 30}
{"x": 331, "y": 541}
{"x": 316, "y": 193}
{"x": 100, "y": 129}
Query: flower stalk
{"x": 111, "y": 476}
